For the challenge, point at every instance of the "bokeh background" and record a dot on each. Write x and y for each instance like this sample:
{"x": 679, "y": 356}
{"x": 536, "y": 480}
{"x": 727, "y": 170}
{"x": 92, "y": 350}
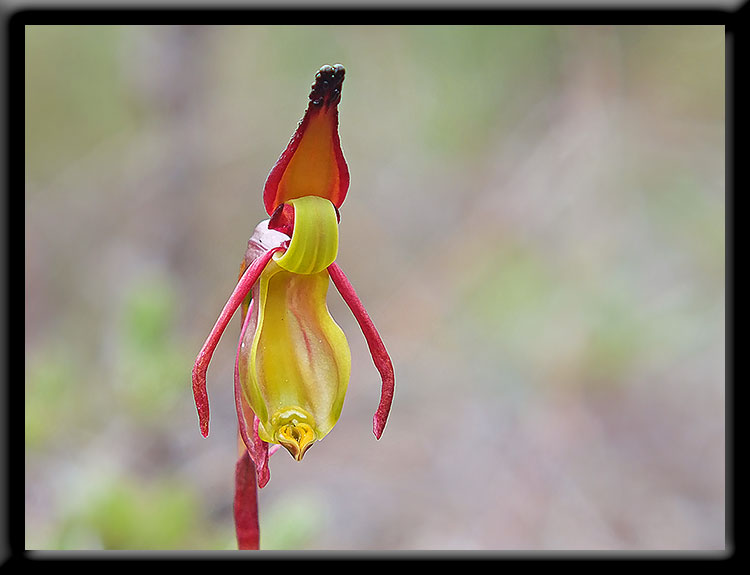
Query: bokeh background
{"x": 535, "y": 223}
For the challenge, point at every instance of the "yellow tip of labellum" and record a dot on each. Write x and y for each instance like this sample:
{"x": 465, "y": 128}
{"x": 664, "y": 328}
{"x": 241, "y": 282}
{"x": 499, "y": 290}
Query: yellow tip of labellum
{"x": 297, "y": 438}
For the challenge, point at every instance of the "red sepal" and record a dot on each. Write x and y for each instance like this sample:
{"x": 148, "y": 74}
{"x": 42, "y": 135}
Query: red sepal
{"x": 379, "y": 354}
{"x": 245, "y": 284}
{"x": 312, "y": 163}
{"x": 256, "y": 447}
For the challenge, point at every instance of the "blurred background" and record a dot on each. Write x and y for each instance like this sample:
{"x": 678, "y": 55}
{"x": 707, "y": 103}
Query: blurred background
{"x": 535, "y": 223}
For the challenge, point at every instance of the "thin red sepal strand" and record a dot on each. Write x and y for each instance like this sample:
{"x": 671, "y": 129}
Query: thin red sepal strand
{"x": 380, "y": 356}
{"x": 251, "y": 275}
{"x": 246, "y": 504}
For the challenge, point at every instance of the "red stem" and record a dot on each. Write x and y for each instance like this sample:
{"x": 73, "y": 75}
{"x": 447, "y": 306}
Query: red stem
{"x": 246, "y": 503}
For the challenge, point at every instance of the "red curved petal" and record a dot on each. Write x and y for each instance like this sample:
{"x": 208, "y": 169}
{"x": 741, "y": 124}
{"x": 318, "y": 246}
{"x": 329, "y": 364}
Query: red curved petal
{"x": 282, "y": 219}
{"x": 200, "y": 367}
{"x": 380, "y": 356}
{"x": 312, "y": 163}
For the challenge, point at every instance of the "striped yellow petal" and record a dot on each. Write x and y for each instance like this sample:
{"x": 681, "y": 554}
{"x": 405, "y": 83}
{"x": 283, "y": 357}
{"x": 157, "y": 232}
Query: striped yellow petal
{"x": 295, "y": 363}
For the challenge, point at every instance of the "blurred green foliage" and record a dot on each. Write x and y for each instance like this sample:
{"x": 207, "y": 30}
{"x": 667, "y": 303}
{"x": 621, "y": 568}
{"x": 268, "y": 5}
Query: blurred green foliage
{"x": 292, "y": 523}
{"x": 534, "y": 316}
{"x": 75, "y": 95}
{"x": 51, "y": 381}
{"x": 151, "y": 369}
{"x": 134, "y": 515}
{"x": 120, "y": 512}
{"x": 686, "y": 216}
{"x": 471, "y": 74}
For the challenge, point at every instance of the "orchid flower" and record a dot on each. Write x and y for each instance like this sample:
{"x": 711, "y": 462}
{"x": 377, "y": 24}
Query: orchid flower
{"x": 293, "y": 361}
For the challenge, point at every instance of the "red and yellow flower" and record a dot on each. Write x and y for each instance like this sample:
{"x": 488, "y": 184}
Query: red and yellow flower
{"x": 293, "y": 361}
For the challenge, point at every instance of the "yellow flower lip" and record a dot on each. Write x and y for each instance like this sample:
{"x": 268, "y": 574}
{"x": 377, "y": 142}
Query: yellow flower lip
{"x": 315, "y": 239}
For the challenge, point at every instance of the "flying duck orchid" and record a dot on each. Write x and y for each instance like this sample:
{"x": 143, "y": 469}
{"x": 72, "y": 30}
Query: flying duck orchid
{"x": 293, "y": 361}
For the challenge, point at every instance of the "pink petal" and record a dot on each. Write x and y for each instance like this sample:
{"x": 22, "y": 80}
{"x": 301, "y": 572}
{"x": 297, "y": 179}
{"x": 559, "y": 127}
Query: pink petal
{"x": 246, "y": 504}
{"x": 204, "y": 357}
{"x": 380, "y": 356}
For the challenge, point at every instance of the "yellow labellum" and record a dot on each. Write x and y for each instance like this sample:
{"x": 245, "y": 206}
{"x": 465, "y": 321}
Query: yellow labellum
{"x": 295, "y": 362}
{"x": 315, "y": 240}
